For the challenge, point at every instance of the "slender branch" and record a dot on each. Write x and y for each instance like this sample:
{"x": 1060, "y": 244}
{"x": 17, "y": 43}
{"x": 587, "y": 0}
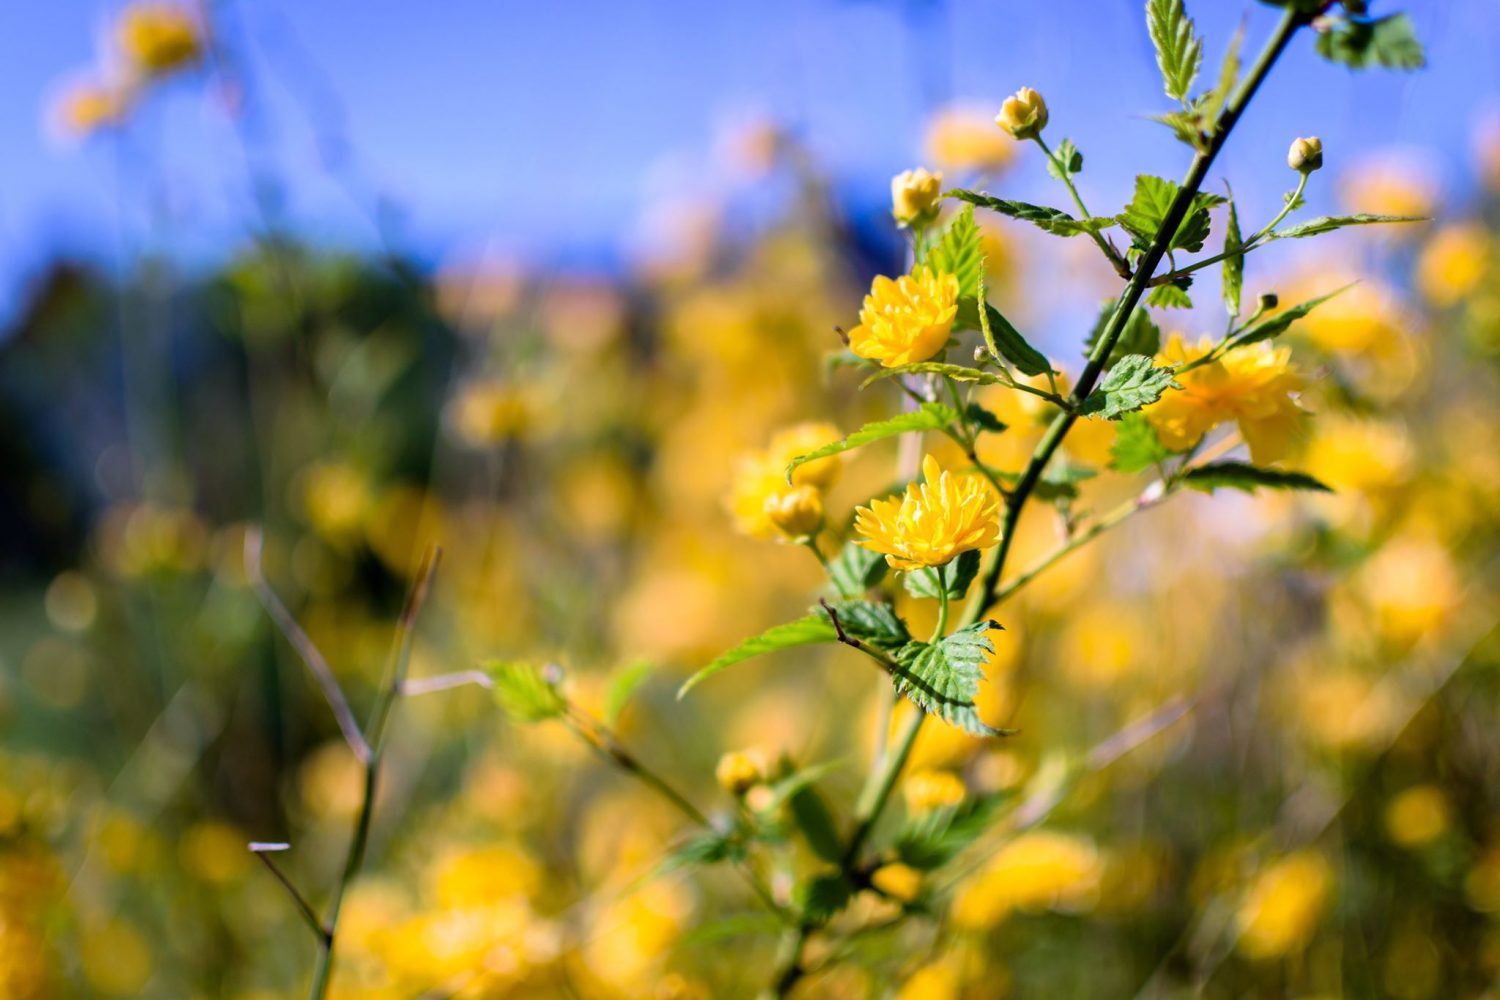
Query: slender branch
{"x": 1116, "y": 261}
{"x": 1253, "y": 243}
{"x": 263, "y": 851}
{"x": 445, "y": 682}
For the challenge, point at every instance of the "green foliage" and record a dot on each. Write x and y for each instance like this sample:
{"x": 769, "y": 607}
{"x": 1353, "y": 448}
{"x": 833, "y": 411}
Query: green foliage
{"x": 1047, "y": 219}
{"x": 1067, "y": 160}
{"x": 1136, "y": 446}
{"x": 1148, "y": 208}
{"x": 959, "y": 373}
{"x": 1328, "y": 223}
{"x": 1179, "y": 50}
{"x": 1140, "y": 336}
{"x": 927, "y": 417}
{"x": 706, "y": 848}
{"x": 873, "y": 622}
{"x": 1249, "y": 478}
{"x": 855, "y": 570}
{"x": 932, "y": 840}
{"x": 524, "y": 692}
{"x": 1006, "y": 340}
{"x": 1210, "y": 104}
{"x": 958, "y": 252}
{"x": 1276, "y": 325}
{"x": 955, "y": 578}
{"x": 1234, "y": 262}
{"x": 823, "y": 896}
{"x": 808, "y": 630}
{"x": 623, "y": 684}
{"x": 985, "y": 420}
{"x": 942, "y": 678}
{"x": 1172, "y": 295}
{"x": 1132, "y": 383}
{"x": 788, "y": 786}
{"x": 1359, "y": 42}
{"x": 815, "y": 823}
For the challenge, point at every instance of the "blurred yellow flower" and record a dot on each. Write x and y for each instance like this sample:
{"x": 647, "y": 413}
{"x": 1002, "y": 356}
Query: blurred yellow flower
{"x": 336, "y": 497}
{"x": 929, "y": 790}
{"x": 1418, "y": 816}
{"x": 933, "y": 521}
{"x": 761, "y": 500}
{"x": 1453, "y": 263}
{"x": 116, "y": 959}
{"x": 1252, "y": 386}
{"x": 1391, "y": 182}
{"x": 1282, "y": 907}
{"x": 934, "y": 981}
{"x": 158, "y": 38}
{"x": 796, "y": 513}
{"x": 963, "y": 137}
{"x": 915, "y": 194}
{"x": 1042, "y": 869}
{"x": 487, "y": 412}
{"x": 906, "y": 320}
{"x": 90, "y": 107}
{"x": 1411, "y": 585}
{"x": 738, "y": 771}
{"x": 1358, "y": 455}
{"x": 214, "y": 852}
{"x": 800, "y": 439}
{"x": 900, "y": 882}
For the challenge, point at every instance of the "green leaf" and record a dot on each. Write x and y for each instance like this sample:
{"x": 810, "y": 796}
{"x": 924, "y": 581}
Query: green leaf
{"x": 855, "y": 570}
{"x": 1247, "y": 477}
{"x": 797, "y": 780}
{"x": 1006, "y": 340}
{"x": 1328, "y": 223}
{"x": 933, "y": 839}
{"x": 1359, "y": 42}
{"x": 702, "y": 849}
{"x": 1171, "y": 296}
{"x": 1136, "y": 445}
{"x": 984, "y": 419}
{"x": 1276, "y": 325}
{"x": 805, "y": 631}
{"x": 873, "y": 622}
{"x": 823, "y": 896}
{"x": 959, "y": 373}
{"x": 928, "y": 417}
{"x": 1234, "y": 263}
{"x": 959, "y": 252}
{"x": 1132, "y": 383}
{"x": 957, "y": 575}
{"x": 1179, "y": 50}
{"x": 1211, "y": 103}
{"x": 1066, "y": 162}
{"x": 1048, "y": 220}
{"x": 942, "y": 678}
{"x": 1186, "y": 126}
{"x": 813, "y": 819}
{"x": 623, "y": 684}
{"x": 524, "y": 692}
{"x": 1140, "y": 336}
{"x": 1148, "y": 209}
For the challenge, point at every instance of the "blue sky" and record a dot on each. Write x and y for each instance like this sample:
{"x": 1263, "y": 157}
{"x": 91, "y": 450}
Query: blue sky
{"x": 544, "y": 128}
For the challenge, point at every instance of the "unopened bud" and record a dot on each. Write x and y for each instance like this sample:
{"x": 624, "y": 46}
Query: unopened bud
{"x": 1269, "y": 301}
{"x": 797, "y": 512}
{"x": 1306, "y": 155}
{"x": 738, "y": 772}
{"x": 915, "y": 195}
{"x": 1023, "y": 115}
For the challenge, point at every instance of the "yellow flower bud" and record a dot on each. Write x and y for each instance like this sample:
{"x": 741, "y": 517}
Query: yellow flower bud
{"x": 1023, "y": 115}
{"x": 898, "y": 881}
{"x": 796, "y": 512}
{"x": 915, "y": 195}
{"x": 1306, "y": 155}
{"x": 738, "y": 772}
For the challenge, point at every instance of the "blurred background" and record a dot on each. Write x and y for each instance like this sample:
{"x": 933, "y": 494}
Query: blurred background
{"x": 524, "y": 280}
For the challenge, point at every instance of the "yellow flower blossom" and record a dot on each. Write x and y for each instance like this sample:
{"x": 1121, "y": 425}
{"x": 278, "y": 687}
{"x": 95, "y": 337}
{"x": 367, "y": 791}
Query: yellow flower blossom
{"x": 738, "y": 771}
{"x": 906, "y": 320}
{"x": 900, "y": 882}
{"x": 1418, "y": 816}
{"x": 1042, "y": 869}
{"x": 798, "y": 440}
{"x": 1281, "y": 910}
{"x": 91, "y": 107}
{"x": 158, "y": 38}
{"x": 963, "y": 137}
{"x": 929, "y": 790}
{"x": 934, "y": 521}
{"x": 1252, "y": 386}
{"x": 759, "y": 487}
{"x": 796, "y": 513}
{"x": 1453, "y": 263}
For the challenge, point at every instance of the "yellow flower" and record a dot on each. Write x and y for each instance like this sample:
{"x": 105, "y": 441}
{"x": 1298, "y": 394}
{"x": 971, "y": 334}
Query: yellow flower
{"x": 759, "y": 484}
{"x": 941, "y": 517}
{"x": 796, "y": 513}
{"x": 738, "y": 771}
{"x": 906, "y": 320}
{"x": 488, "y": 412}
{"x": 1042, "y": 869}
{"x": 1453, "y": 264}
{"x": 159, "y": 38}
{"x": 1282, "y": 908}
{"x": 1252, "y": 386}
{"x": 1417, "y": 816}
{"x": 1023, "y": 115}
{"x": 900, "y": 882}
{"x": 961, "y": 137}
{"x": 915, "y": 194}
{"x": 92, "y": 107}
{"x": 800, "y": 439}
{"x": 929, "y": 790}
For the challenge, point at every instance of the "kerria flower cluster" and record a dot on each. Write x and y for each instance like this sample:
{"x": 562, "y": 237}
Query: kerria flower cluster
{"x": 765, "y": 504}
{"x": 1253, "y": 386}
{"x": 934, "y": 521}
{"x": 906, "y": 320}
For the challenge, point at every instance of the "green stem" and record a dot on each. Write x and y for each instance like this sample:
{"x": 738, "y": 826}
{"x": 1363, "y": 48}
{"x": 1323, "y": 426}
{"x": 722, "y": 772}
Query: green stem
{"x": 1244, "y": 248}
{"x": 941, "y": 628}
{"x": 1113, "y": 255}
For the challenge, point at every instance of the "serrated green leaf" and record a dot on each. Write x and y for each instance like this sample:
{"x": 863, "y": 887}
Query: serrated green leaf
{"x": 1359, "y": 42}
{"x": 1249, "y": 478}
{"x": 873, "y": 622}
{"x": 805, "y": 631}
{"x": 1186, "y": 126}
{"x": 1277, "y": 324}
{"x": 1179, "y": 50}
{"x": 959, "y": 373}
{"x": 1328, "y": 223}
{"x": 957, "y": 576}
{"x": 1136, "y": 446}
{"x": 855, "y": 570}
{"x": 942, "y": 678}
{"x": 959, "y": 252}
{"x": 1211, "y": 103}
{"x": 1134, "y": 381}
{"x": 1066, "y": 161}
{"x": 1172, "y": 296}
{"x": 815, "y": 822}
{"x": 1006, "y": 340}
{"x": 927, "y": 417}
{"x": 1233, "y": 282}
{"x": 1148, "y": 209}
{"x": 1140, "y": 336}
{"x": 523, "y": 692}
{"x": 984, "y": 419}
{"x": 933, "y": 839}
{"x": 1047, "y": 219}
{"x": 623, "y": 684}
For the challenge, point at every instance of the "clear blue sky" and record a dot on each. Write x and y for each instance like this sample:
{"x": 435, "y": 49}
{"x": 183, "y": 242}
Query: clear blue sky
{"x": 544, "y": 127}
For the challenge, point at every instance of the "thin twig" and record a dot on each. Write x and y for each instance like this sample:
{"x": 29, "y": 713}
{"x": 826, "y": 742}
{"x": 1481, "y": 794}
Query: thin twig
{"x": 444, "y": 682}
{"x": 264, "y": 851}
